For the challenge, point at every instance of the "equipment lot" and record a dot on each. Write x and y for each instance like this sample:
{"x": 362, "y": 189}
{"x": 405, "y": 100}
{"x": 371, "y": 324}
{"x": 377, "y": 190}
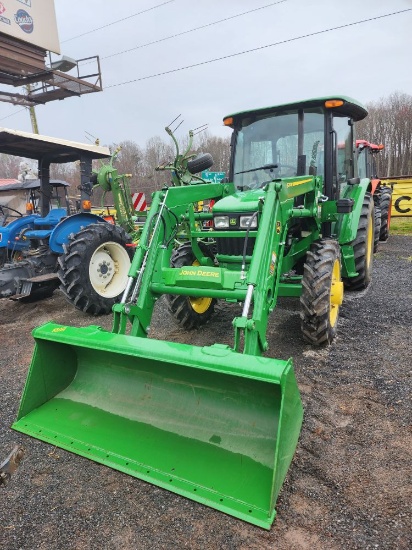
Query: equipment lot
{"x": 349, "y": 485}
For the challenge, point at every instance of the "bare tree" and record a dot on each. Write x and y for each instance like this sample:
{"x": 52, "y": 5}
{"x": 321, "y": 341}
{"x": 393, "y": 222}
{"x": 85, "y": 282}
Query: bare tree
{"x": 390, "y": 122}
{"x": 10, "y": 166}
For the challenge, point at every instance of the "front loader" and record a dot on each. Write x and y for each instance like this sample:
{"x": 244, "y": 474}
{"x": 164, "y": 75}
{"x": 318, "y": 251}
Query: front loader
{"x": 218, "y": 424}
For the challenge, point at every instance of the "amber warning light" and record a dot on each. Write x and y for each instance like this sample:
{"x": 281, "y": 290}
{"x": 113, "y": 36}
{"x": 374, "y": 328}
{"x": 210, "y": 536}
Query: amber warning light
{"x": 330, "y": 103}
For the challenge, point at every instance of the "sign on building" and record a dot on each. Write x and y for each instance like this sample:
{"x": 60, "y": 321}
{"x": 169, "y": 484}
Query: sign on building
{"x": 32, "y": 21}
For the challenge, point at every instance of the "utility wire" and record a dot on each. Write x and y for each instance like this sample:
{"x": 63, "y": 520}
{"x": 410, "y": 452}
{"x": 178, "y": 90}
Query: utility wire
{"x": 12, "y": 114}
{"x": 117, "y": 21}
{"x": 258, "y": 48}
{"x": 193, "y": 30}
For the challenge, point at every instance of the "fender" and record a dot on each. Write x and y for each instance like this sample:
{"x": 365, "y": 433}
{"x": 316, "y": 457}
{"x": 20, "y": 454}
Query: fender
{"x": 71, "y": 224}
{"x": 374, "y": 185}
{"x": 9, "y": 233}
{"x": 347, "y": 227}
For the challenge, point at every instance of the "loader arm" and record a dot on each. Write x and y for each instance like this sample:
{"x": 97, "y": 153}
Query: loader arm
{"x": 258, "y": 284}
{"x": 169, "y": 208}
{"x": 262, "y": 276}
{"x": 266, "y": 268}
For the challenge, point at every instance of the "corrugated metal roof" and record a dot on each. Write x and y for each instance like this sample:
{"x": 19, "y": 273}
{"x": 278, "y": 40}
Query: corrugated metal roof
{"x": 35, "y": 146}
{"x": 8, "y": 181}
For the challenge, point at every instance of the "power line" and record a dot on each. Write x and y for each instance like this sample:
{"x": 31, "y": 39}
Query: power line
{"x": 193, "y": 30}
{"x": 258, "y": 48}
{"x": 12, "y": 114}
{"x": 117, "y": 21}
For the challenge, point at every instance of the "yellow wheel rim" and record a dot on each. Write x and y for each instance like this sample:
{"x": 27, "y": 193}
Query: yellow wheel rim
{"x": 202, "y": 304}
{"x": 336, "y": 293}
{"x": 369, "y": 244}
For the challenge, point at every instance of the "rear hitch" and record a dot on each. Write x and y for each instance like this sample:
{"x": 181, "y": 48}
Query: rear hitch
{"x": 10, "y": 464}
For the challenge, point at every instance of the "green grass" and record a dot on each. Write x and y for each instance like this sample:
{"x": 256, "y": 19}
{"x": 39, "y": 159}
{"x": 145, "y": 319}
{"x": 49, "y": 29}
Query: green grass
{"x": 401, "y": 226}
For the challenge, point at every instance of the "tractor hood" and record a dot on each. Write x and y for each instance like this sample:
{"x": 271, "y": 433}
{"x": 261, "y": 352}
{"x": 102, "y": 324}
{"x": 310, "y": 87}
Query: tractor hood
{"x": 239, "y": 202}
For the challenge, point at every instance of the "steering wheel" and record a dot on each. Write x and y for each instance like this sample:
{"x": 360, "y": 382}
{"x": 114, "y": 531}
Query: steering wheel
{"x": 19, "y": 214}
{"x": 5, "y": 211}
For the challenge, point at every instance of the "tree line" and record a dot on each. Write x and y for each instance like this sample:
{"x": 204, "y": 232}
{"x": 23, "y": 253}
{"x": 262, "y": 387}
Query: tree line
{"x": 389, "y": 122}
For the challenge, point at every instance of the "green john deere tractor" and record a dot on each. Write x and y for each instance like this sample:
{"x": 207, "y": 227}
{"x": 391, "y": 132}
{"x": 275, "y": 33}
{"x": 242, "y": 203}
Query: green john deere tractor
{"x": 217, "y": 424}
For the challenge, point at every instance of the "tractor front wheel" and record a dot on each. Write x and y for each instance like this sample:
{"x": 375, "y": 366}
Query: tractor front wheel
{"x": 322, "y": 292}
{"x": 189, "y": 311}
{"x": 93, "y": 270}
{"x": 363, "y": 246}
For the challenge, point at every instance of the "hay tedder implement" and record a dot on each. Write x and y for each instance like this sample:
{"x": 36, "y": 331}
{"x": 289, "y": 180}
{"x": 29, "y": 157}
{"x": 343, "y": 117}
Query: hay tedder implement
{"x": 217, "y": 424}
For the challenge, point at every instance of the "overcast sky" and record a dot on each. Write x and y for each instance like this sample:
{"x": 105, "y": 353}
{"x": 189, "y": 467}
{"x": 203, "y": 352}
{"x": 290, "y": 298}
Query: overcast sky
{"x": 366, "y": 61}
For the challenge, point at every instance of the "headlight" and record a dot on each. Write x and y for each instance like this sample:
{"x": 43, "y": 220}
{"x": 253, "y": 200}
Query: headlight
{"x": 248, "y": 221}
{"x": 221, "y": 222}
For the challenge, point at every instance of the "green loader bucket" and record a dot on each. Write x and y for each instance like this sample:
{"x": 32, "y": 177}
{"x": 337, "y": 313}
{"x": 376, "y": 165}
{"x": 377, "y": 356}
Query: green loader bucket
{"x": 208, "y": 423}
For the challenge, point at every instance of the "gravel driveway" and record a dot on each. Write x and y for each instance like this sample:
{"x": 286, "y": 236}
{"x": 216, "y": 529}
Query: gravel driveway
{"x": 348, "y": 487}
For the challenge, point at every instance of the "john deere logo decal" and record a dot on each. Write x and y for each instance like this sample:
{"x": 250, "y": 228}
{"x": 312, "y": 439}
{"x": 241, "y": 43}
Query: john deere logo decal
{"x": 232, "y": 221}
{"x": 24, "y": 21}
{"x": 278, "y": 227}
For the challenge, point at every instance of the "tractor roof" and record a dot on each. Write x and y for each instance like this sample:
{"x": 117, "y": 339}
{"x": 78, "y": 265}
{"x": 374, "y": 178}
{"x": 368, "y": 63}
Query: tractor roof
{"x": 16, "y": 185}
{"x": 35, "y": 146}
{"x": 350, "y": 107}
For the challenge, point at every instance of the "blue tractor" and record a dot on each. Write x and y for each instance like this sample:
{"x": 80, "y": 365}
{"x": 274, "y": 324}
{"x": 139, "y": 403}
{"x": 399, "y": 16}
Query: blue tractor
{"x": 25, "y": 195}
{"x": 40, "y": 239}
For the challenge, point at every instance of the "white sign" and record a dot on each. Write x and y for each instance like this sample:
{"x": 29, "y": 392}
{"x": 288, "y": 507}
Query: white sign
{"x": 32, "y": 21}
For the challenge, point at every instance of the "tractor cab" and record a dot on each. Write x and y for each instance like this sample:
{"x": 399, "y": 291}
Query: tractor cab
{"x": 302, "y": 144}
{"x": 366, "y": 157}
{"x": 59, "y": 197}
{"x": 314, "y": 137}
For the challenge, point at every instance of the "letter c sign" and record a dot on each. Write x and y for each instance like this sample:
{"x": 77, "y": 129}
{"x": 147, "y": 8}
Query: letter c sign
{"x": 398, "y": 207}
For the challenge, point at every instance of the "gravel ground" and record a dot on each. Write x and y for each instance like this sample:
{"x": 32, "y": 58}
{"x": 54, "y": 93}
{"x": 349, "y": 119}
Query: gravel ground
{"x": 349, "y": 485}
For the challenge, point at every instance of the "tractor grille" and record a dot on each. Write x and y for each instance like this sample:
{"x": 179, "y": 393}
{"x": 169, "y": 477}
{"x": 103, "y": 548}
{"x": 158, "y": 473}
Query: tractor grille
{"x": 233, "y": 246}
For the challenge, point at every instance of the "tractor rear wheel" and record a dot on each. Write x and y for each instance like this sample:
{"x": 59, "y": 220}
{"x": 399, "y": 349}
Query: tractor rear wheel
{"x": 93, "y": 270}
{"x": 385, "y": 205}
{"x": 363, "y": 247}
{"x": 378, "y": 222}
{"x": 189, "y": 311}
{"x": 322, "y": 292}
